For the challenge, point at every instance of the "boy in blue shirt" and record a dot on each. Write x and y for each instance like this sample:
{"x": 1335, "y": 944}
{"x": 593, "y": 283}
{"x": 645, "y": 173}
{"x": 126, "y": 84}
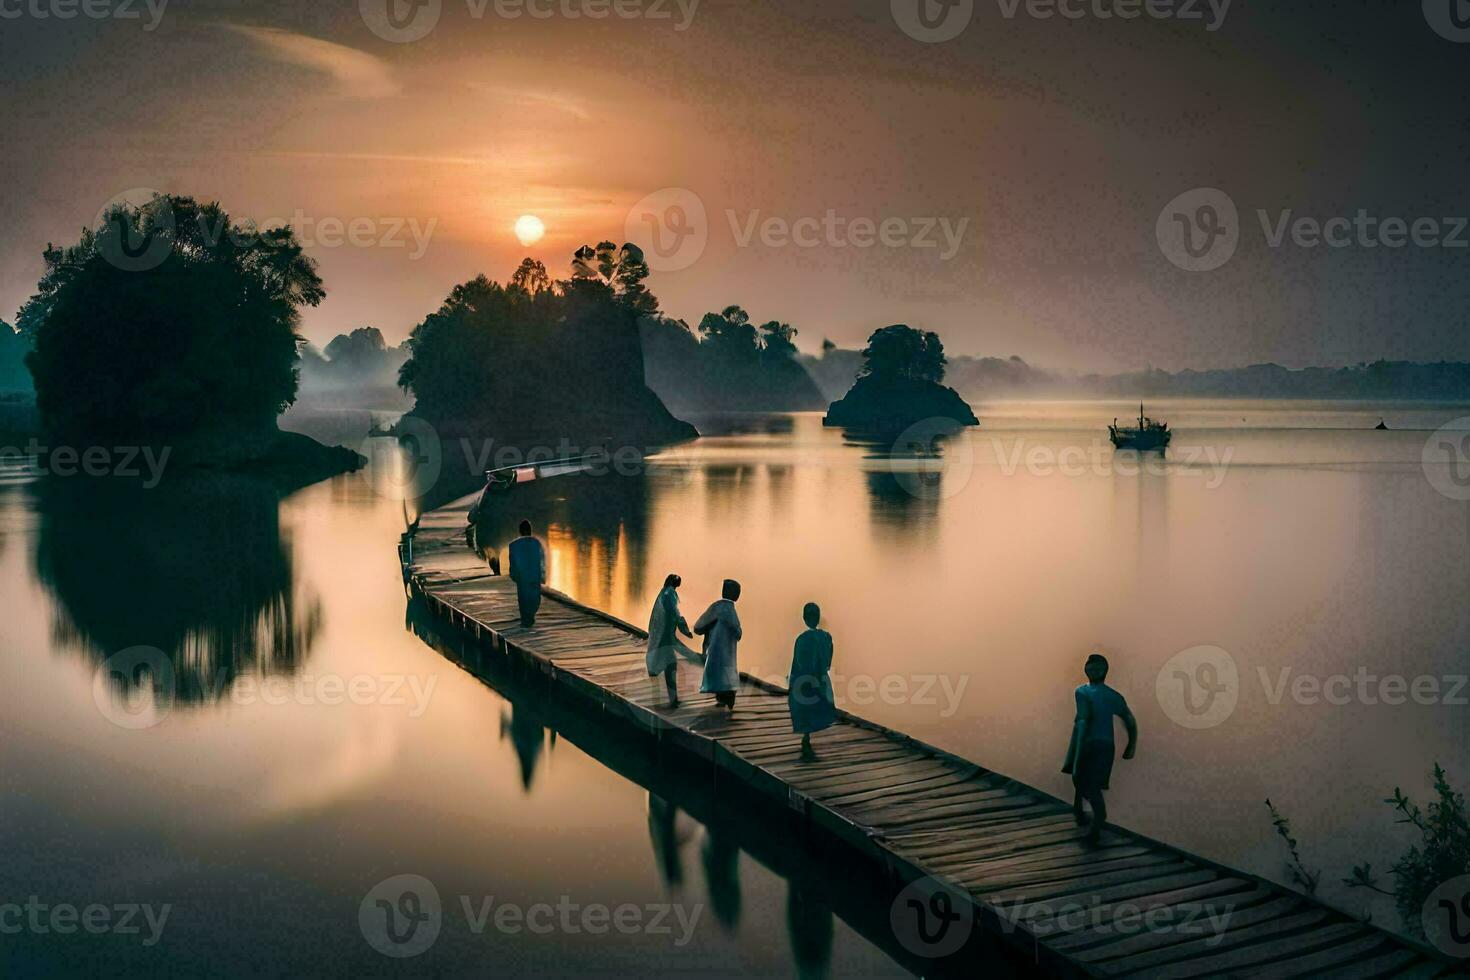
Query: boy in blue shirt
{"x": 1090, "y": 753}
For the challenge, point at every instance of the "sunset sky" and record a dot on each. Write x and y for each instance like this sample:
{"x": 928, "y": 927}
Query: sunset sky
{"x": 1052, "y": 144}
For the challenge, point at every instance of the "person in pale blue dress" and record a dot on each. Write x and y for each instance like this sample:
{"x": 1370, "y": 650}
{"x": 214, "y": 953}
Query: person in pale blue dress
{"x": 720, "y": 627}
{"x": 663, "y": 645}
{"x": 813, "y": 708}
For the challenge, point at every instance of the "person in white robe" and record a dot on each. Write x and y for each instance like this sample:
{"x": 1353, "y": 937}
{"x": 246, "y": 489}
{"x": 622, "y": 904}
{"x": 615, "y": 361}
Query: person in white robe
{"x": 720, "y": 627}
{"x": 663, "y": 645}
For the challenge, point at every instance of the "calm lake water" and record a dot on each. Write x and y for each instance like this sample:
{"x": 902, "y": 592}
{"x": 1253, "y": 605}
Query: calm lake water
{"x": 322, "y": 740}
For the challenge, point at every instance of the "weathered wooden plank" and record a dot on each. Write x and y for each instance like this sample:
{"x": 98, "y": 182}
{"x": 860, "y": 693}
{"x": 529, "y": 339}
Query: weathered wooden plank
{"x": 1338, "y": 936}
{"x": 1046, "y": 921}
{"x": 1241, "y": 909}
{"x": 1239, "y": 929}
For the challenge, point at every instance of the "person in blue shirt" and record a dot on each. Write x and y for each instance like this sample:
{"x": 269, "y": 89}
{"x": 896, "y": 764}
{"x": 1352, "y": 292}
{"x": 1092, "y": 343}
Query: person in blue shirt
{"x": 809, "y": 686}
{"x": 528, "y": 572}
{"x": 1090, "y": 752}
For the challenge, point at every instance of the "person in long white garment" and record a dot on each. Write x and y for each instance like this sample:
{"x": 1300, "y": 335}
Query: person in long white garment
{"x": 720, "y": 627}
{"x": 663, "y": 646}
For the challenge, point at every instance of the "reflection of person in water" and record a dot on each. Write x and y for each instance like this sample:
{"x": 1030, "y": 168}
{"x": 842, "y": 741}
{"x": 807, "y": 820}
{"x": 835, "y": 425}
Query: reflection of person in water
{"x": 663, "y": 832}
{"x": 809, "y": 686}
{"x": 527, "y": 733}
{"x": 720, "y": 627}
{"x": 663, "y": 647}
{"x": 721, "y": 859}
{"x": 528, "y": 571}
{"x": 1090, "y": 753}
{"x": 809, "y": 923}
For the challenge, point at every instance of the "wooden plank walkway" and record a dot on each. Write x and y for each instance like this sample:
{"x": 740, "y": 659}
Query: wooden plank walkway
{"x": 1012, "y": 853}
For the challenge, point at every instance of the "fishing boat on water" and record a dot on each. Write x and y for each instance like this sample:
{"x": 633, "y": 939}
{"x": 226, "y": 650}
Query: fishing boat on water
{"x": 1148, "y": 434}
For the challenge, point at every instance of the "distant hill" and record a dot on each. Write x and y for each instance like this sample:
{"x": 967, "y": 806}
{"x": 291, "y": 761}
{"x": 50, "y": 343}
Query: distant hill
{"x": 1381, "y": 380}
{"x": 729, "y": 366}
{"x": 361, "y": 359}
{"x": 1012, "y": 377}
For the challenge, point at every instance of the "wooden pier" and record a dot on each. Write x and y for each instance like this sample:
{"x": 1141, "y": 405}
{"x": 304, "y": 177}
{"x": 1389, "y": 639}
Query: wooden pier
{"x": 1009, "y": 855}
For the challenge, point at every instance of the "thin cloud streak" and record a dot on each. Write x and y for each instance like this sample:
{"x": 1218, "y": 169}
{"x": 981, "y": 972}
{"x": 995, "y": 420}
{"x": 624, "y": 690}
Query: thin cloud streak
{"x": 357, "y": 74}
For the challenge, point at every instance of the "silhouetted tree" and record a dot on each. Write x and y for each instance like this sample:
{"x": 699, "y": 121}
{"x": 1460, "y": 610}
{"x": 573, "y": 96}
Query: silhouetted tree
{"x": 457, "y": 352}
{"x": 168, "y": 319}
{"x": 531, "y": 277}
{"x": 621, "y": 269}
{"x": 730, "y": 334}
{"x": 778, "y": 340}
{"x": 13, "y": 350}
{"x": 901, "y": 353}
{"x": 536, "y": 363}
{"x": 733, "y": 366}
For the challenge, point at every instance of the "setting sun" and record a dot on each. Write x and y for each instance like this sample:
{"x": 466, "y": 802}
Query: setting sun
{"x": 529, "y": 229}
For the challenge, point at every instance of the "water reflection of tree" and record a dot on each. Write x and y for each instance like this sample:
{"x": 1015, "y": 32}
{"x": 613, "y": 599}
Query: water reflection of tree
{"x": 728, "y": 488}
{"x": 895, "y": 509}
{"x": 905, "y": 480}
{"x": 606, "y": 518}
{"x": 195, "y": 567}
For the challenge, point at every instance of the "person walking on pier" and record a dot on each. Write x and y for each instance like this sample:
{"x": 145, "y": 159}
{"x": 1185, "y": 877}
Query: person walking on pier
{"x": 1090, "y": 753}
{"x": 720, "y": 627}
{"x": 663, "y": 646}
{"x": 528, "y": 572}
{"x": 809, "y": 696}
